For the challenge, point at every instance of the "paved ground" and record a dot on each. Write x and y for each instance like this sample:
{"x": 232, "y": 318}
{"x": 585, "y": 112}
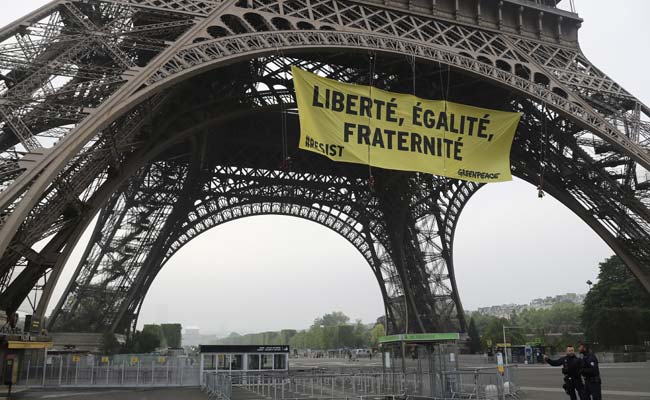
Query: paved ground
{"x": 620, "y": 382}
{"x": 132, "y": 394}
{"x": 540, "y": 382}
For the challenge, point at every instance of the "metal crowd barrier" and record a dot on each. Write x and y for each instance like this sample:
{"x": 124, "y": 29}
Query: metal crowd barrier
{"x": 327, "y": 386}
{"x": 478, "y": 383}
{"x": 122, "y": 370}
{"x": 217, "y": 386}
{"x": 481, "y": 383}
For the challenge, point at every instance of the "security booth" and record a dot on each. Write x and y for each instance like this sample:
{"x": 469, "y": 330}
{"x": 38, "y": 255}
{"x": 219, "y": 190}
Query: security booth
{"x": 243, "y": 360}
{"x": 535, "y": 352}
{"x": 517, "y": 354}
{"x": 505, "y": 350}
{"x": 21, "y": 352}
{"x": 421, "y": 360}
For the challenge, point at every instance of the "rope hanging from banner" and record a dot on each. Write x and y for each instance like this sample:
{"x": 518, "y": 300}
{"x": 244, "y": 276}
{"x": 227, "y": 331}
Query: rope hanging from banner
{"x": 286, "y": 159}
{"x": 543, "y": 149}
{"x": 371, "y": 81}
{"x": 411, "y": 60}
{"x": 444, "y": 90}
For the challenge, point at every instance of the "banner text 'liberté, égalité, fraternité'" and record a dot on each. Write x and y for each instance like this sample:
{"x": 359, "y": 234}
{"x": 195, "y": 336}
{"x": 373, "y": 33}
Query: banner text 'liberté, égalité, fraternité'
{"x": 366, "y": 125}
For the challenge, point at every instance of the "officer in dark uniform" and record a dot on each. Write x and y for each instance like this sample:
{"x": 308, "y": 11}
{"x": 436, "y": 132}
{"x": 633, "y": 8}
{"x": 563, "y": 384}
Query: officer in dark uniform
{"x": 571, "y": 367}
{"x": 591, "y": 373}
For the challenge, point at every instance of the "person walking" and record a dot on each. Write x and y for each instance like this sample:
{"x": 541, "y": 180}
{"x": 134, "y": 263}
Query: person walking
{"x": 571, "y": 367}
{"x": 591, "y": 373}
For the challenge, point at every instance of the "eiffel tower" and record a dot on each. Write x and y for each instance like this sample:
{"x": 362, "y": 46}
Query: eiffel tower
{"x": 161, "y": 119}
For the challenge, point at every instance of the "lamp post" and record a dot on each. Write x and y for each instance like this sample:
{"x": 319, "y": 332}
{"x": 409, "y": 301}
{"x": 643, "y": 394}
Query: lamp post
{"x": 505, "y": 347}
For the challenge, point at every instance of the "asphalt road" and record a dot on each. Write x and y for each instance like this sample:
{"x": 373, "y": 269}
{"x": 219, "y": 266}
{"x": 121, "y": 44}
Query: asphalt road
{"x": 620, "y": 381}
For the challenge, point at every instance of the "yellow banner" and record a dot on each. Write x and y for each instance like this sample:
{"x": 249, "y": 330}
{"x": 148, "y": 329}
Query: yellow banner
{"x": 366, "y": 125}
{"x": 16, "y": 344}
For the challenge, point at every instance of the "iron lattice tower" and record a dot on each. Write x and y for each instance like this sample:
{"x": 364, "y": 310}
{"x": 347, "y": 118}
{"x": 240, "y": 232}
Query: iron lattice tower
{"x": 165, "y": 118}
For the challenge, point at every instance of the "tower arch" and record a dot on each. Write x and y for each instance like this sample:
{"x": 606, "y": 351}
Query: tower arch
{"x": 581, "y": 129}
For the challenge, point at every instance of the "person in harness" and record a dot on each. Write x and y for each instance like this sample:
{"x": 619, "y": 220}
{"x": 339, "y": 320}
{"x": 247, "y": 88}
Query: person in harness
{"x": 571, "y": 367}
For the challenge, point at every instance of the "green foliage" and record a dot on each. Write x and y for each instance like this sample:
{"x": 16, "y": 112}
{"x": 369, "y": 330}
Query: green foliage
{"x": 286, "y": 335}
{"x": 617, "y": 308}
{"x": 169, "y": 335}
{"x": 145, "y": 341}
{"x": 109, "y": 345}
{"x": 377, "y": 331}
{"x": 560, "y": 318}
{"x": 494, "y": 333}
{"x": 156, "y": 331}
{"x": 474, "y": 337}
{"x": 616, "y": 311}
{"x": 172, "y": 334}
{"x": 480, "y": 320}
{"x": 331, "y": 331}
{"x": 281, "y": 337}
{"x": 335, "y": 318}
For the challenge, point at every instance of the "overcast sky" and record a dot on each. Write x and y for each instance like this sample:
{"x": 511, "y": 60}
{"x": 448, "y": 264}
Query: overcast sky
{"x": 268, "y": 273}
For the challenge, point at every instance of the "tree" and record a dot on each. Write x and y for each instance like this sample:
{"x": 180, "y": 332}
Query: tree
{"x": 145, "y": 341}
{"x": 331, "y": 331}
{"x": 172, "y": 334}
{"x": 109, "y": 345}
{"x": 481, "y": 320}
{"x": 560, "y": 318}
{"x": 299, "y": 340}
{"x": 494, "y": 332}
{"x": 156, "y": 331}
{"x": 376, "y": 332}
{"x": 361, "y": 334}
{"x": 286, "y": 335}
{"x": 332, "y": 319}
{"x": 148, "y": 342}
{"x": 474, "y": 337}
{"x": 617, "y": 308}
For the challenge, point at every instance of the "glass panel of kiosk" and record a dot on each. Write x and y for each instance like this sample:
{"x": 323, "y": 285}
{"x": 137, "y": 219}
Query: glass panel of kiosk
{"x": 242, "y": 359}
{"x": 267, "y": 361}
{"x": 253, "y": 362}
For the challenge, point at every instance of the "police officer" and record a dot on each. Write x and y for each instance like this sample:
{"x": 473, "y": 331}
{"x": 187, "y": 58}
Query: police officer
{"x": 591, "y": 373}
{"x": 571, "y": 367}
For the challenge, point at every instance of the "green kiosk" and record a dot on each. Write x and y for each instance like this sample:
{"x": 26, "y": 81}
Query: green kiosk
{"x": 420, "y": 362}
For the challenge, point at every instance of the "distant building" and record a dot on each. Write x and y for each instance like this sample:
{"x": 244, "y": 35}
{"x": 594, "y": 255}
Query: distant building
{"x": 549, "y": 301}
{"x": 505, "y": 310}
{"x": 501, "y": 311}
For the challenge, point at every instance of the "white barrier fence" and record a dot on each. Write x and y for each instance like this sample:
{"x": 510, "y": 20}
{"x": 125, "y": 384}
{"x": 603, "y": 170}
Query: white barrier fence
{"x": 478, "y": 383}
{"x": 96, "y": 371}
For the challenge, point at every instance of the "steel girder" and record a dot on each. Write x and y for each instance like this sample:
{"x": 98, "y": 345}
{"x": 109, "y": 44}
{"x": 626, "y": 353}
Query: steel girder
{"x": 111, "y": 282}
{"x": 110, "y": 63}
{"x": 236, "y": 191}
